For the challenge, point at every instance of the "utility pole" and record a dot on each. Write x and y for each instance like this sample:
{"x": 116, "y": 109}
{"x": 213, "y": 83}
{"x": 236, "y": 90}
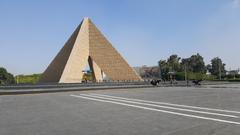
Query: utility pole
{"x": 17, "y": 79}
{"x": 219, "y": 68}
{"x": 160, "y": 72}
{"x": 185, "y": 71}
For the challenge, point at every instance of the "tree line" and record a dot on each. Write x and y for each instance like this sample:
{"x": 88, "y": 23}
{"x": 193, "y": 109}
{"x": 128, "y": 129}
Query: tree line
{"x": 192, "y": 65}
{"x": 8, "y": 78}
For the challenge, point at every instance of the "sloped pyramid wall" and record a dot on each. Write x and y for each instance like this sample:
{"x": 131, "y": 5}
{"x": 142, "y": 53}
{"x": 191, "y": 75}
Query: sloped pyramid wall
{"x": 88, "y": 45}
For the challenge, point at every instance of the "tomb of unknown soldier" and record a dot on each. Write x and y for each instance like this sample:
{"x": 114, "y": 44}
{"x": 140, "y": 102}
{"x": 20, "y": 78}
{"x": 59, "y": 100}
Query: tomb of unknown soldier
{"x": 88, "y": 46}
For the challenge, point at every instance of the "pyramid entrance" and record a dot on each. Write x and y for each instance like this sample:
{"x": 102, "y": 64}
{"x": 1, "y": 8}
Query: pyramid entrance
{"x": 92, "y": 72}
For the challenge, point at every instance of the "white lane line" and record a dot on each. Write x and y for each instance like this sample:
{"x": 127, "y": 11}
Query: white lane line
{"x": 165, "y": 103}
{"x": 167, "y": 107}
{"x": 158, "y": 110}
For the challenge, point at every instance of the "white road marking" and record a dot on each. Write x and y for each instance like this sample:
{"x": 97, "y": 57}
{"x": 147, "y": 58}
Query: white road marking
{"x": 167, "y": 107}
{"x": 158, "y": 110}
{"x": 170, "y": 104}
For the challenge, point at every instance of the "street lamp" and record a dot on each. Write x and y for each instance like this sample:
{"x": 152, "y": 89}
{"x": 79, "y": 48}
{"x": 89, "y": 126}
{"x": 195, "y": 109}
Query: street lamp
{"x": 219, "y": 68}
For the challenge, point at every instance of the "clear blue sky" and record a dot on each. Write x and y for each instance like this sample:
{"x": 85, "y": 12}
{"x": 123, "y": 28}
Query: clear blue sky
{"x": 143, "y": 31}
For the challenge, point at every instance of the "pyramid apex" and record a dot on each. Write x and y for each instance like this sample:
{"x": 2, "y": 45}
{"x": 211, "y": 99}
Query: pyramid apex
{"x": 86, "y": 18}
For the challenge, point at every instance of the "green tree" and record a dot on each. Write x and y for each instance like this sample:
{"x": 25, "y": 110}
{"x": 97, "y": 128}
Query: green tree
{"x": 217, "y": 67}
{"x": 194, "y": 64}
{"x": 164, "y": 68}
{"x": 173, "y": 63}
{"x": 5, "y": 77}
{"x": 185, "y": 62}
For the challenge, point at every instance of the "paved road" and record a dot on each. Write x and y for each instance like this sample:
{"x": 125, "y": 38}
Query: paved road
{"x": 152, "y": 111}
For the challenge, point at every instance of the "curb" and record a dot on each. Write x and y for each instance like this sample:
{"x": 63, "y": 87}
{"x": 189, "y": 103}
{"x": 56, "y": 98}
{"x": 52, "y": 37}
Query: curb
{"x": 54, "y": 90}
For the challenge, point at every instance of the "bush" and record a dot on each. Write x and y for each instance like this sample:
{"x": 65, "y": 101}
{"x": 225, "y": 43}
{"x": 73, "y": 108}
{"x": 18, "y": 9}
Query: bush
{"x": 236, "y": 80}
{"x": 180, "y": 76}
{"x": 28, "y": 79}
{"x": 194, "y": 76}
{"x": 237, "y": 76}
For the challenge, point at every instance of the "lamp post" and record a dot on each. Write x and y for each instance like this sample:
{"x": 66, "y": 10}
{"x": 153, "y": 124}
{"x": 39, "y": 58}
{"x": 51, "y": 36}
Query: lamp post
{"x": 185, "y": 71}
{"x": 160, "y": 72}
{"x": 219, "y": 68}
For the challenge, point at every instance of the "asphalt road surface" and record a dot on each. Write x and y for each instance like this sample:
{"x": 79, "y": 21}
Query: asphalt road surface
{"x": 142, "y": 111}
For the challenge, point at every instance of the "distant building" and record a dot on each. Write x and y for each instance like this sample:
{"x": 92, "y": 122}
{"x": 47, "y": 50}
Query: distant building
{"x": 148, "y": 72}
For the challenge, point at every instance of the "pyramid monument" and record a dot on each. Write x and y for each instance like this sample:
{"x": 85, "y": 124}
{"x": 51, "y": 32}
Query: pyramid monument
{"x": 87, "y": 45}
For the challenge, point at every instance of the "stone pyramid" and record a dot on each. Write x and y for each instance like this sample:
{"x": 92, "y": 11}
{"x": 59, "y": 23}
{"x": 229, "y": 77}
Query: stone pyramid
{"x": 87, "y": 45}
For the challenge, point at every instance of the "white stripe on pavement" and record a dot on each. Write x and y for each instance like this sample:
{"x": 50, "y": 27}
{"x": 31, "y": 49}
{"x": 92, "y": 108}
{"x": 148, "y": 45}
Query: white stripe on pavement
{"x": 170, "y": 104}
{"x": 167, "y": 107}
{"x": 158, "y": 110}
